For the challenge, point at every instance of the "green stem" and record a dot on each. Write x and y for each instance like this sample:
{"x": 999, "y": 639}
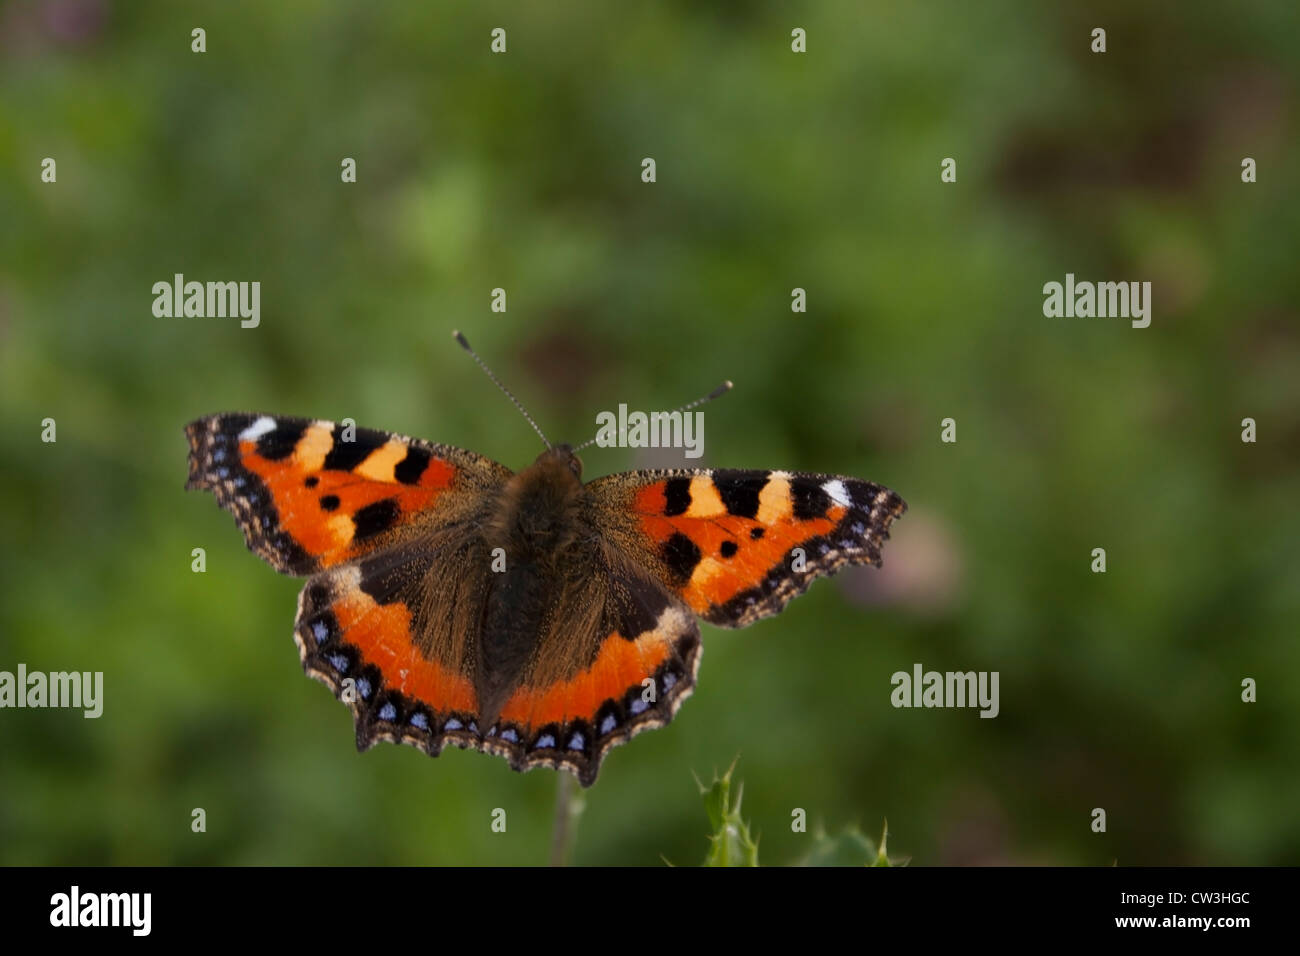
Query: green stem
{"x": 568, "y": 808}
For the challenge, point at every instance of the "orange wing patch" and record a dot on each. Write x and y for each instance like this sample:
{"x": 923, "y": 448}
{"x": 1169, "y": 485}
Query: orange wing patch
{"x": 730, "y": 558}
{"x": 382, "y": 633}
{"x": 312, "y": 494}
{"x": 325, "y": 511}
{"x": 620, "y": 665}
{"x": 738, "y": 545}
{"x": 398, "y": 694}
{"x": 633, "y": 685}
{"x": 367, "y": 654}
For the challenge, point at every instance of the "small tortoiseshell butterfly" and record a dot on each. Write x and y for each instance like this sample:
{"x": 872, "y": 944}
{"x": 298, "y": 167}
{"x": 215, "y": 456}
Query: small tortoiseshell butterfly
{"x": 450, "y": 600}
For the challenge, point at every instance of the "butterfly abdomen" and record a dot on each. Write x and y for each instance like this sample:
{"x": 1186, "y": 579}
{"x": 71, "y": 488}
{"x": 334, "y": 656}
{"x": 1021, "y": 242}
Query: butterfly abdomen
{"x": 512, "y": 625}
{"x": 531, "y": 533}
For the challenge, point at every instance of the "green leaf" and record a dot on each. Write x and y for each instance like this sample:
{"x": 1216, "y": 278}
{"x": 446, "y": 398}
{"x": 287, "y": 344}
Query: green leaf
{"x": 882, "y": 856}
{"x": 730, "y": 843}
{"x": 849, "y": 848}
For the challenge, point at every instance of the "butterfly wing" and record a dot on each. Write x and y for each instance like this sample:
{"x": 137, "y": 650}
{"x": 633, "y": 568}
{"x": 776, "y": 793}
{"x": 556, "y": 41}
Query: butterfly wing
{"x": 737, "y": 546}
{"x": 312, "y": 494}
{"x": 617, "y": 656}
{"x": 395, "y": 636}
{"x": 388, "y": 529}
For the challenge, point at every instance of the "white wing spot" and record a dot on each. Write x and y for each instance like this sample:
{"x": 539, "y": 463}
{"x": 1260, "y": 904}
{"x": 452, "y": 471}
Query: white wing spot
{"x": 259, "y": 428}
{"x": 839, "y": 494}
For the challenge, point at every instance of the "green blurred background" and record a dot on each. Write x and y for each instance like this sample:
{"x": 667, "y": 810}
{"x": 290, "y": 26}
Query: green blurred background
{"x": 775, "y": 170}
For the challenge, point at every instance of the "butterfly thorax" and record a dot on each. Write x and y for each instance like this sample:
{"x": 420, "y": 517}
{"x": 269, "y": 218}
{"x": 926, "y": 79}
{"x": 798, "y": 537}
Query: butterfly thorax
{"x": 533, "y": 514}
{"x": 534, "y": 533}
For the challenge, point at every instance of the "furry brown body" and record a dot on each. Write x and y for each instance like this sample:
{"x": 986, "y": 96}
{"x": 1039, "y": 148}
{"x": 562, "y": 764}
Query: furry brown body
{"x": 538, "y": 526}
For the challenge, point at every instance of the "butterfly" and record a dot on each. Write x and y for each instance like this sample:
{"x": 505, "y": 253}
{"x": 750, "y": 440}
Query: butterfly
{"x": 526, "y": 614}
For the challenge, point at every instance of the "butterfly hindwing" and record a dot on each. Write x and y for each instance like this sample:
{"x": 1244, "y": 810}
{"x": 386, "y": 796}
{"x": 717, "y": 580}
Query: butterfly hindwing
{"x": 311, "y": 494}
{"x": 394, "y": 635}
{"x": 739, "y": 545}
{"x": 618, "y": 655}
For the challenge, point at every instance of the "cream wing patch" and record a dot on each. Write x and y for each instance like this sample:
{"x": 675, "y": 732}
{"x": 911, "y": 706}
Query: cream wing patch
{"x": 380, "y": 463}
{"x": 315, "y": 443}
{"x": 774, "y": 501}
{"x": 705, "y": 500}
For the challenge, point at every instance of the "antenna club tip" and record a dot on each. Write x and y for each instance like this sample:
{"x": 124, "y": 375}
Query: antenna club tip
{"x": 721, "y": 390}
{"x": 464, "y": 343}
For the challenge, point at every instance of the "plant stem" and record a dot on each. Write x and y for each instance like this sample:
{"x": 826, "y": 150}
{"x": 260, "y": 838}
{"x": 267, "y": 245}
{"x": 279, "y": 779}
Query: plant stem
{"x": 568, "y": 808}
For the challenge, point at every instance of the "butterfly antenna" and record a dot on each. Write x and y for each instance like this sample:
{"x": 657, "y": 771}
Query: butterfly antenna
{"x": 718, "y": 392}
{"x": 497, "y": 382}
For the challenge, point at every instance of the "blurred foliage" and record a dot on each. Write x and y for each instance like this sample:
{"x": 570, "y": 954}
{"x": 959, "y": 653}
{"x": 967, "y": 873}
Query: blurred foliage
{"x": 849, "y": 848}
{"x": 731, "y": 843}
{"x": 775, "y": 170}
